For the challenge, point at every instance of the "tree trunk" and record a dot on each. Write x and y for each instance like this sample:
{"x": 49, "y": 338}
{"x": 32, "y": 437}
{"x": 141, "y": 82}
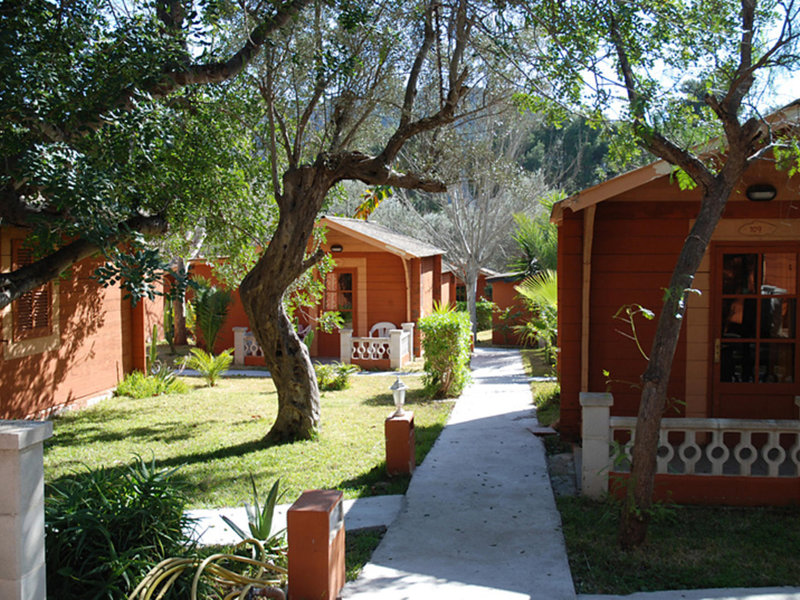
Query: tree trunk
{"x": 262, "y": 292}
{"x": 471, "y": 284}
{"x": 179, "y": 311}
{"x": 639, "y": 495}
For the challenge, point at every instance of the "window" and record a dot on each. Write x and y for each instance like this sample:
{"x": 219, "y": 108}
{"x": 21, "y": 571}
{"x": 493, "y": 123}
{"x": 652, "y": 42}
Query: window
{"x": 32, "y": 312}
{"x": 758, "y": 317}
{"x": 339, "y": 292}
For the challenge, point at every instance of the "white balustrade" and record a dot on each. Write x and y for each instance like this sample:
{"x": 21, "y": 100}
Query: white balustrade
{"x": 244, "y": 344}
{"x": 370, "y": 348}
{"x": 687, "y": 446}
{"x": 743, "y": 447}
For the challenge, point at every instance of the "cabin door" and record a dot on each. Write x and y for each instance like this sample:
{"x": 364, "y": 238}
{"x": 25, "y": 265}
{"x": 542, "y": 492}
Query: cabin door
{"x": 754, "y": 328}
{"x": 340, "y": 295}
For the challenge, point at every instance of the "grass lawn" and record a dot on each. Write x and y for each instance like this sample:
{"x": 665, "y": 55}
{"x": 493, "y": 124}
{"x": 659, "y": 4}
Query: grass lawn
{"x": 688, "y": 548}
{"x": 214, "y": 435}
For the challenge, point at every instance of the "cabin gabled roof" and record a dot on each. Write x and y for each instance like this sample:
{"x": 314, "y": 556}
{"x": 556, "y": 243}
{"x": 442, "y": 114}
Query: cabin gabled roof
{"x": 382, "y": 237}
{"x": 782, "y": 119}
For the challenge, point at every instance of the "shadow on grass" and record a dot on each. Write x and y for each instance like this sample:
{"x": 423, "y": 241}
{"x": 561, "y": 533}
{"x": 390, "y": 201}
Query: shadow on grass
{"x": 535, "y": 363}
{"x": 386, "y": 399}
{"x": 376, "y": 482}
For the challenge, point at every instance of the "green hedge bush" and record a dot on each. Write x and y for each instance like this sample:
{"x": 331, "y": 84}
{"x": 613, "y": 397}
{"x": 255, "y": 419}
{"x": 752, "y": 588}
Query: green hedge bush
{"x": 483, "y": 310}
{"x": 335, "y": 376}
{"x": 446, "y": 337}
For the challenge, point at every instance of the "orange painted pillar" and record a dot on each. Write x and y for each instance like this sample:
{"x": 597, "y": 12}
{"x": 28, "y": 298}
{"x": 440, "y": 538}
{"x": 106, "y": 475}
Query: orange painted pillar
{"x": 315, "y": 531}
{"x": 400, "y": 444}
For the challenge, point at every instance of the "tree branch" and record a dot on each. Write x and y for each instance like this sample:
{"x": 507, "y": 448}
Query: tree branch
{"x": 16, "y": 283}
{"x": 199, "y": 74}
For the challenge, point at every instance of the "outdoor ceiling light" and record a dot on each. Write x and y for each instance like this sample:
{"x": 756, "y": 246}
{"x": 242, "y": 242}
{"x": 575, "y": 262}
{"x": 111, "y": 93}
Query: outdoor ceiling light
{"x": 336, "y": 248}
{"x": 761, "y": 192}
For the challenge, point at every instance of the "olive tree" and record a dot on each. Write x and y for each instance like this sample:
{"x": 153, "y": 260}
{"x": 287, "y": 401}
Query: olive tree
{"x": 340, "y": 91}
{"x": 627, "y": 61}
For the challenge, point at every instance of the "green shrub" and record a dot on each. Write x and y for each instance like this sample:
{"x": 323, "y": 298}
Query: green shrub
{"x": 483, "y": 310}
{"x": 161, "y": 381}
{"x": 208, "y": 365}
{"x": 334, "y": 376}
{"x": 446, "y": 339}
{"x": 106, "y": 528}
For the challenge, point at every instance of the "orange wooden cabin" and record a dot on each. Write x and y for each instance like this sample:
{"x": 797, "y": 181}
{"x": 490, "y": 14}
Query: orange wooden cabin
{"x": 381, "y": 277}
{"x": 735, "y": 382}
{"x": 511, "y": 310}
{"x": 70, "y": 341}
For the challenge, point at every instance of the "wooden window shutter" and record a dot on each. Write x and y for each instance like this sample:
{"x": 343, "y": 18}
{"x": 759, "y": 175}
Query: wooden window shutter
{"x": 33, "y": 311}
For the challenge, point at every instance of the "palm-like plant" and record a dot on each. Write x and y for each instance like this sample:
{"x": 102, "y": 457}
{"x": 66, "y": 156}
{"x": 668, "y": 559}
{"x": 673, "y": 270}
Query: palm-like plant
{"x": 211, "y": 306}
{"x": 540, "y": 294}
{"x": 208, "y": 365}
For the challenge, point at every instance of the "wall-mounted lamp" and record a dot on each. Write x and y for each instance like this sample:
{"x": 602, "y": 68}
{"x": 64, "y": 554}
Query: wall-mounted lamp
{"x": 761, "y": 192}
{"x": 336, "y": 248}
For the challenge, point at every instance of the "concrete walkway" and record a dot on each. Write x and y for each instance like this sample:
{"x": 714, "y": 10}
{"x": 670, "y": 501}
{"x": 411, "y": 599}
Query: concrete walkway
{"x": 479, "y": 519}
{"x": 209, "y": 529}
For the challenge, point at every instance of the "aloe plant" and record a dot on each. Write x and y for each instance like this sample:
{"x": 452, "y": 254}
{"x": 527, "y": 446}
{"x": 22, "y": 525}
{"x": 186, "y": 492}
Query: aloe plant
{"x": 259, "y": 517}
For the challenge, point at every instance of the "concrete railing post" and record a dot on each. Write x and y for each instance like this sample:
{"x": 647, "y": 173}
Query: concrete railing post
{"x": 238, "y": 345}
{"x": 22, "y": 572}
{"x": 345, "y": 345}
{"x": 395, "y": 348}
{"x": 596, "y": 435}
{"x": 409, "y": 328}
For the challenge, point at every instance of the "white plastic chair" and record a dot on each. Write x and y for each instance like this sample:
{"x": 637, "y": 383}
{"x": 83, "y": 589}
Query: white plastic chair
{"x": 381, "y": 329}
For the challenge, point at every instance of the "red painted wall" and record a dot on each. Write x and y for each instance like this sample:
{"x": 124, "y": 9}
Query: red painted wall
{"x": 504, "y": 296}
{"x": 637, "y": 237}
{"x": 93, "y": 354}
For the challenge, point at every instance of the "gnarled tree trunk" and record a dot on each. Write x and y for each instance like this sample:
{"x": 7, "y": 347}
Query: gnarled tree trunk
{"x": 262, "y": 292}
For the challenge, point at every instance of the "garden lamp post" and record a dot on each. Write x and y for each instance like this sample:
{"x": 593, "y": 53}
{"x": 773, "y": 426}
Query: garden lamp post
{"x": 399, "y": 392}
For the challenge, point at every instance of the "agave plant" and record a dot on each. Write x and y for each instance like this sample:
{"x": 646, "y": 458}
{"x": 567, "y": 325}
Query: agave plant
{"x": 260, "y": 517}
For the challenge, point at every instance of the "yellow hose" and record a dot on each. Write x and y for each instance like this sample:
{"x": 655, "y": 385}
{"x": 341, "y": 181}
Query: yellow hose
{"x": 161, "y": 578}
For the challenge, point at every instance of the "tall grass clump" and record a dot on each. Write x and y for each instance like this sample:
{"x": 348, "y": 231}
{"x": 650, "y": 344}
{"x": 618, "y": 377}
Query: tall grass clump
{"x": 105, "y": 528}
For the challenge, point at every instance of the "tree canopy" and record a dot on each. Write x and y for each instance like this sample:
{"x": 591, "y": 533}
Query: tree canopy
{"x": 111, "y": 130}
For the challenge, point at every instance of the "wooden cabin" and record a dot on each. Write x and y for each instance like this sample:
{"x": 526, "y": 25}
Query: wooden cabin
{"x": 511, "y": 310}
{"x": 68, "y": 342}
{"x": 381, "y": 278}
{"x": 738, "y": 359}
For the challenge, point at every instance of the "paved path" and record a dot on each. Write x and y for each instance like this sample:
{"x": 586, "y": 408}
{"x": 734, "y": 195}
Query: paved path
{"x": 363, "y": 513}
{"x": 479, "y": 520}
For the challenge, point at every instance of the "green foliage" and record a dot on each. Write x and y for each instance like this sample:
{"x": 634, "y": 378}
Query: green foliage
{"x": 169, "y": 325}
{"x": 209, "y": 366}
{"x": 573, "y": 154}
{"x": 106, "y": 527}
{"x": 547, "y": 400}
{"x": 446, "y": 337}
{"x": 82, "y": 128}
{"x": 484, "y": 309}
{"x": 139, "y": 385}
{"x": 540, "y": 294}
{"x": 152, "y": 351}
{"x": 334, "y": 376}
{"x": 211, "y": 305}
{"x": 259, "y": 518}
{"x": 537, "y": 242}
